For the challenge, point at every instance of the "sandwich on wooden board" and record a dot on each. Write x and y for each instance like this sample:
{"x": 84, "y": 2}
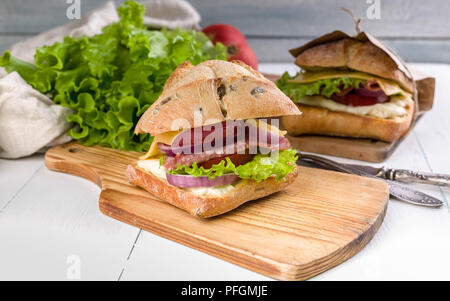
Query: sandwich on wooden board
{"x": 213, "y": 146}
{"x": 350, "y": 86}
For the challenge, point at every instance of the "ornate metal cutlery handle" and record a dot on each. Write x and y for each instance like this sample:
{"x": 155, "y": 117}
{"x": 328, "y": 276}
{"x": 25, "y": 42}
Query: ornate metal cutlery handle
{"x": 409, "y": 176}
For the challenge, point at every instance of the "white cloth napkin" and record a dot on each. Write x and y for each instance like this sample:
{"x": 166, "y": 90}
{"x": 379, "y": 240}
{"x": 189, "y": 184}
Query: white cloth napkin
{"x": 29, "y": 120}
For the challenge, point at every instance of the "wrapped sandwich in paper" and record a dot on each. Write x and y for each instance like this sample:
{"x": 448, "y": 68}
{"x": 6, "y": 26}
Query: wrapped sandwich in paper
{"x": 352, "y": 86}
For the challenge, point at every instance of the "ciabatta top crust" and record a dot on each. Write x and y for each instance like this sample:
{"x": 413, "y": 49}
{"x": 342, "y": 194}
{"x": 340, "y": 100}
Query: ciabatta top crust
{"x": 356, "y": 55}
{"x": 211, "y": 92}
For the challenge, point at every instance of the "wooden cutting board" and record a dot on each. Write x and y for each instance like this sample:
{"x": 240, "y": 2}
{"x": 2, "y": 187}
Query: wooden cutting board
{"x": 318, "y": 222}
{"x": 353, "y": 148}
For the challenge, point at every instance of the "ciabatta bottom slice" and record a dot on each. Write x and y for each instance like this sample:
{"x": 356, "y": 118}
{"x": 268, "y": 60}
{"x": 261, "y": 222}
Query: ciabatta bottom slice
{"x": 207, "y": 205}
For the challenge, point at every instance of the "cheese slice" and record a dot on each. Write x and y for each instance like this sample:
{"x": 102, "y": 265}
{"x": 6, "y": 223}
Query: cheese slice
{"x": 389, "y": 87}
{"x": 169, "y": 137}
{"x": 166, "y": 138}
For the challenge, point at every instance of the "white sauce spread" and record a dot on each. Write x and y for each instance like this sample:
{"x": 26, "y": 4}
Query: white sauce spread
{"x": 388, "y": 110}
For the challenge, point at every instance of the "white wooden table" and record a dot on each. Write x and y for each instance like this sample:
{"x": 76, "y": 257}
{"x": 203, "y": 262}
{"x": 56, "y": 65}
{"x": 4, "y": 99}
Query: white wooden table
{"x": 51, "y": 228}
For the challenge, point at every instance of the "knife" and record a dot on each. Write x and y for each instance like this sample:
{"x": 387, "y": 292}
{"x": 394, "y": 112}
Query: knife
{"x": 396, "y": 190}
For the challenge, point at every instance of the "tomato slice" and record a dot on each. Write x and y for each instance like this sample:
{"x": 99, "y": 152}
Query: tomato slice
{"x": 361, "y": 97}
{"x": 237, "y": 159}
{"x": 357, "y": 100}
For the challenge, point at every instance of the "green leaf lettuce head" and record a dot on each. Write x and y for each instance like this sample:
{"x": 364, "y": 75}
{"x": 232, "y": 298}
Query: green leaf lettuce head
{"x": 277, "y": 164}
{"x": 323, "y": 87}
{"x": 110, "y": 79}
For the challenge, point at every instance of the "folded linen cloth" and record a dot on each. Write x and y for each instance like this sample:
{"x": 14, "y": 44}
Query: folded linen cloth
{"x": 30, "y": 121}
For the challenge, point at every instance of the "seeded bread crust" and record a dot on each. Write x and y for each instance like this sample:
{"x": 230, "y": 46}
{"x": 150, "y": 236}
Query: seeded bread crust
{"x": 206, "y": 206}
{"x": 211, "y": 92}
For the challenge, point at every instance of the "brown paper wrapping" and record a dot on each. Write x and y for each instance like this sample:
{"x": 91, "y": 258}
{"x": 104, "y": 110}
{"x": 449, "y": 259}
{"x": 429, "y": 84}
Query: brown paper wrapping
{"x": 425, "y": 85}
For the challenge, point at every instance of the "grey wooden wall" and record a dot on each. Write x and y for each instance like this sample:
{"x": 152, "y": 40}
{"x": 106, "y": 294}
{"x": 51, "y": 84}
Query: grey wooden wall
{"x": 419, "y": 30}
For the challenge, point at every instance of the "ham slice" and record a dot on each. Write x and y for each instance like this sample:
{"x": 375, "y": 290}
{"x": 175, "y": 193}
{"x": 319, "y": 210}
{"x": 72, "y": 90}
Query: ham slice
{"x": 242, "y": 147}
{"x": 202, "y": 148}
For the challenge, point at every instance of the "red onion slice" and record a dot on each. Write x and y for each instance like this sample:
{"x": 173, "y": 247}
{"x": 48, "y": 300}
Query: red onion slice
{"x": 188, "y": 181}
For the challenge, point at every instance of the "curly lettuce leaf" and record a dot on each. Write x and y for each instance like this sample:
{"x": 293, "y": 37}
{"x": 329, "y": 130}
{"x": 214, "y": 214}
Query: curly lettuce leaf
{"x": 323, "y": 87}
{"x": 110, "y": 79}
{"x": 277, "y": 164}
{"x": 11, "y": 64}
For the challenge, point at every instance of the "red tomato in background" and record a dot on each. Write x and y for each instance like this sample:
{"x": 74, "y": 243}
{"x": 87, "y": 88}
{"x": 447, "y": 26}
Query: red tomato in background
{"x": 246, "y": 55}
{"x": 234, "y": 40}
{"x": 225, "y": 34}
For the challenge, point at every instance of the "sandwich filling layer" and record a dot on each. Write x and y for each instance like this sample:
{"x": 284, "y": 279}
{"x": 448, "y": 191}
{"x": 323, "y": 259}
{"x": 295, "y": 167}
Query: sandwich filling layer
{"x": 153, "y": 166}
{"x": 350, "y": 92}
{"x": 213, "y": 161}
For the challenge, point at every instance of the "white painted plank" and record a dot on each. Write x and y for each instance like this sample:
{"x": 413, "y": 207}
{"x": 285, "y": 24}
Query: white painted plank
{"x": 54, "y": 217}
{"x": 14, "y": 174}
{"x": 156, "y": 258}
{"x": 433, "y": 131}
